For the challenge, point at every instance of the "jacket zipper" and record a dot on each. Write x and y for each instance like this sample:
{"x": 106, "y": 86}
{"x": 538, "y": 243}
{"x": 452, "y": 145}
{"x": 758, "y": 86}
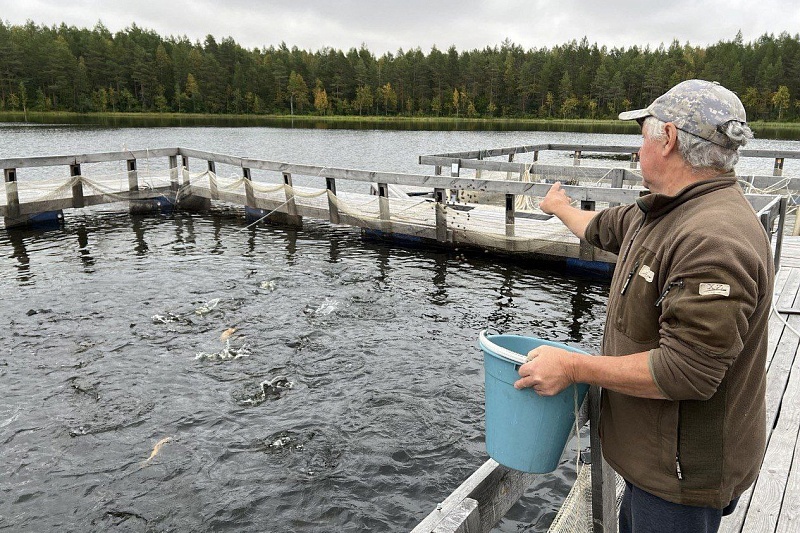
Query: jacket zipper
{"x": 630, "y": 277}
{"x": 670, "y": 285}
{"x": 635, "y": 233}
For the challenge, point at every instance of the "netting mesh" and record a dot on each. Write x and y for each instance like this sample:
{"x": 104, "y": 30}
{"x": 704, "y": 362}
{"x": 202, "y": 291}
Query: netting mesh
{"x": 539, "y": 173}
{"x": 482, "y": 227}
{"x": 485, "y": 227}
{"x": 416, "y": 215}
{"x": 108, "y": 188}
{"x": 575, "y": 514}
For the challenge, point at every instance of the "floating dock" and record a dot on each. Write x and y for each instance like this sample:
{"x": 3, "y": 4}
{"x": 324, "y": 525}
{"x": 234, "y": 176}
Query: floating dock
{"x": 453, "y": 215}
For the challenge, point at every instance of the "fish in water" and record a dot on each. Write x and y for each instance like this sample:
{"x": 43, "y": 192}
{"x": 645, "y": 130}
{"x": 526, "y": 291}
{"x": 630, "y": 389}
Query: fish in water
{"x": 207, "y": 307}
{"x": 229, "y": 352}
{"x": 227, "y": 333}
{"x": 271, "y": 387}
{"x": 157, "y": 448}
{"x": 165, "y": 319}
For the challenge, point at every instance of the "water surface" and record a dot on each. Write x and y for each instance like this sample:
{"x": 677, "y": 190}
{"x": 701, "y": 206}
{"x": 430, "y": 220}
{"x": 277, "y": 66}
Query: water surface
{"x": 113, "y": 345}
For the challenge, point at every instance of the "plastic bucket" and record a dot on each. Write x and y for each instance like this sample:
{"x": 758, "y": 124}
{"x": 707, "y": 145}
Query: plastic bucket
{"x": 524, "y": 431}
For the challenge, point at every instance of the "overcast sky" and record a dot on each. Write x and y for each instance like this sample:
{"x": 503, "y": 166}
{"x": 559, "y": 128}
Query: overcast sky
{"x": 386, "y": 26}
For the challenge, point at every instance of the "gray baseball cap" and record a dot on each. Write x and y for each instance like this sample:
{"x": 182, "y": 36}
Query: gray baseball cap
{"x": 697, "y": 107}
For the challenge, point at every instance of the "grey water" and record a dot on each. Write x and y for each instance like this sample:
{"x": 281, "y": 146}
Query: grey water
{"x": 189, "y": 373}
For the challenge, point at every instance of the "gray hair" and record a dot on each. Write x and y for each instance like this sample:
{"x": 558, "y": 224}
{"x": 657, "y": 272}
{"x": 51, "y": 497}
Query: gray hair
{"x": 700, "y": 153}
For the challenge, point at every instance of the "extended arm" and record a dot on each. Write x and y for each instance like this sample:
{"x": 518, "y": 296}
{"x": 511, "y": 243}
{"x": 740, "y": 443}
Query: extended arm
{"x": 559, "y": 204}
{"x": 551, "y": 370}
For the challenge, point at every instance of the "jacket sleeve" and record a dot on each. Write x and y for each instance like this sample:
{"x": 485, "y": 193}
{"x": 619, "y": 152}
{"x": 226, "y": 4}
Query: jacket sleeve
{"x": 713, "y": 291}
{"x": 607, "y": 229}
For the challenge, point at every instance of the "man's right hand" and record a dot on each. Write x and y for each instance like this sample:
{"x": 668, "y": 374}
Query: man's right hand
{"x": 556, "y": 198}
{"x": 559, "y": 204}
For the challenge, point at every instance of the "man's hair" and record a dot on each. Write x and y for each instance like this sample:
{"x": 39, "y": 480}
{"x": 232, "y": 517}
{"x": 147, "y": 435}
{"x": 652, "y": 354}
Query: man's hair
{"x": 700, "y": 153}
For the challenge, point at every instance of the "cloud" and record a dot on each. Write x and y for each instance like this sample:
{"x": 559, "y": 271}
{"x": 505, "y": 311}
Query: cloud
{"x": 386, "y": 26}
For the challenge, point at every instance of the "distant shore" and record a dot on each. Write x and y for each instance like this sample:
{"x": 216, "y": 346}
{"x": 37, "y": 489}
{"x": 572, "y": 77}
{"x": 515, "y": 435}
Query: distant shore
{"x": 768, "y": 130}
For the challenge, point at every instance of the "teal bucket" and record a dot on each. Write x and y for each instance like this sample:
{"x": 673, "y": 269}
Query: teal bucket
{"x": 524, "y": 431}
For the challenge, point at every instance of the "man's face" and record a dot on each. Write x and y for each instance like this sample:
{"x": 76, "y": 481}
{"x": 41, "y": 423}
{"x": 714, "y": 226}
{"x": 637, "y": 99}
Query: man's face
{"x": 649, "y": 157}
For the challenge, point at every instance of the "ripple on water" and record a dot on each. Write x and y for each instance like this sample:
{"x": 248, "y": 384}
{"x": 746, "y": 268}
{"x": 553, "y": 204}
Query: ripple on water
{"x": 325, "y": 366}
{"x": 383, "y": 418}
{"x": 93, "y": 416}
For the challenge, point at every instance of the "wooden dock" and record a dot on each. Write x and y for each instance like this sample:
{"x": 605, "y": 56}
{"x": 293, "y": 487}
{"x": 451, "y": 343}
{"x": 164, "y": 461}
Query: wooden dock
{"x": 274, "y": 196}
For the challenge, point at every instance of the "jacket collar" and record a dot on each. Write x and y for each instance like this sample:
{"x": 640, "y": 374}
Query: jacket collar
{"x": 656, "y": 205}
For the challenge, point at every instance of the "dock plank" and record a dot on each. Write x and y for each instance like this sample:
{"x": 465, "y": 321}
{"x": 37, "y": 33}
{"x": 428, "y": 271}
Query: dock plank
{"x": 756, "y": 508}
{"x": 775, "y": 324}
{"x": 784, "y": 298}
{"x": 765, "y": 505}
{"x": 789, "y": 518}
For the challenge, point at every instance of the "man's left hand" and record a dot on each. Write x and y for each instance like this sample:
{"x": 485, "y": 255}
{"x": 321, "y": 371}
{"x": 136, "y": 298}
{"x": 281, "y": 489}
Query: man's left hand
{"x": 549, "y": 370}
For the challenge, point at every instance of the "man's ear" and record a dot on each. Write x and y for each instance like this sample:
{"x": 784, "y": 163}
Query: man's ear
{"x": 670, "y": 142}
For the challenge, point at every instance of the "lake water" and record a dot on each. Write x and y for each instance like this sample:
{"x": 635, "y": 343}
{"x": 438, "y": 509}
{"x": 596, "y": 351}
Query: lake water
{"x": 186, "y": 373}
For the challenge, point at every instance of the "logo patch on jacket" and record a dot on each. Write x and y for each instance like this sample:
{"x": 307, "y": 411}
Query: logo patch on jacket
{"x": 717, "y": 289}
{"x": 647, "y": 274}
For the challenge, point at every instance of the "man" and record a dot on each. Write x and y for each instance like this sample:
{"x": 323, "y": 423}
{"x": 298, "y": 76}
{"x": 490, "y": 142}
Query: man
{"x": 684, "y": 349}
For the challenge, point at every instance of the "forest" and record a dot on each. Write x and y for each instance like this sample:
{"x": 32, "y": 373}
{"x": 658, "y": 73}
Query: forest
{"x": 64, "y": 68}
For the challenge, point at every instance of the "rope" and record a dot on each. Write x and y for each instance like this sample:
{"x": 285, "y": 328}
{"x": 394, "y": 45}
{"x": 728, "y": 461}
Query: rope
{"x": 265, "y": 216}
{"x": 779, "y": 185}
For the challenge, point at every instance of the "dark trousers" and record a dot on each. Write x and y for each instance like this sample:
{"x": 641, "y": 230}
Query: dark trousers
{"x": 641, "y": 512}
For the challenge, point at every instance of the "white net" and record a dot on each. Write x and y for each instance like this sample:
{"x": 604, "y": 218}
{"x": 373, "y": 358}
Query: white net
{"x": 575, "y": 514}
{"x": 479, "y": 226}
{"x": 109, "y": 188}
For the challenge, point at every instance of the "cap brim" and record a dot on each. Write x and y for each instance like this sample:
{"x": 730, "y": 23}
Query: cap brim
{"x": 633, "y": 115}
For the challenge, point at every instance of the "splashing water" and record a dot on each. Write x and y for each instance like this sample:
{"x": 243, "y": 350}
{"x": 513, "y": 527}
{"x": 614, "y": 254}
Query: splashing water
{"x": 270, "y": 389}
{"x": 165, "y": 319}
{"x": 227, "y": 353}
{"x": 325, "y": 308}
{"x": 207, "y": 307}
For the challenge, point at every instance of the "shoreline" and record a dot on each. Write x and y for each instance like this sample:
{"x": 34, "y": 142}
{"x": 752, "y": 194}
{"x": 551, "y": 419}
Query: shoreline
{"x": 764, "y": 130}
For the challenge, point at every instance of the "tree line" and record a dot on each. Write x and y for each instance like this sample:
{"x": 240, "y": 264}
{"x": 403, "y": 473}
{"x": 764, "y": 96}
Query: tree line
{"x": 64, "y": 68}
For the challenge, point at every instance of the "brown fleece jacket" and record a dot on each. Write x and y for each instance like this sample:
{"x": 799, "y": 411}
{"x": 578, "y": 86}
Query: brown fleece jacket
{"x": 693, "y": 286}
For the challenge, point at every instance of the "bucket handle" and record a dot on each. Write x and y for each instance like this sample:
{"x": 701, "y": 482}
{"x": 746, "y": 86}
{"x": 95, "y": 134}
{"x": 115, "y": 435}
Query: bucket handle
{"x": 499, "y": 350}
